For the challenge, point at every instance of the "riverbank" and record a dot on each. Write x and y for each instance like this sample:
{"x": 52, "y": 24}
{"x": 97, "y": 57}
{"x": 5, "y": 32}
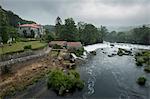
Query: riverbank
{"x": 30, "y": 72}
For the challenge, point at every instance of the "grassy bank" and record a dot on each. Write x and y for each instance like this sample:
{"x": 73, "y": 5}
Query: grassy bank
{"x": 19, "y": 46}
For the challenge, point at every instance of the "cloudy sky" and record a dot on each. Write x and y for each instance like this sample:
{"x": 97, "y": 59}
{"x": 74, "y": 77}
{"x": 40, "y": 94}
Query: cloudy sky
{"x": 98, "y": 12}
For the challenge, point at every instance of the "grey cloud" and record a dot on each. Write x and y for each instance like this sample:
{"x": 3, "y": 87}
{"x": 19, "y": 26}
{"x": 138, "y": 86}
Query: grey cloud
{"x": 107, "y": 12}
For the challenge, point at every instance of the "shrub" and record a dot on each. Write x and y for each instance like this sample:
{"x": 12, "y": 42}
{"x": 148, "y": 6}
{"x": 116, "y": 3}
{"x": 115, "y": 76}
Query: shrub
{"x": 56, "y": 46}
{"x": 64, "y": 81}
{"x": 27, "y": 47}
{"x": 78, "y": 52}
{"x": 141, "y": 80}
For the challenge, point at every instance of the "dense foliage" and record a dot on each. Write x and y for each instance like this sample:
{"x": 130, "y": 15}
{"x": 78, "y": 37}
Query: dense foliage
{"x": 86, "y": 33}
{"x": 78, "y": 52}
{"x": 64, "y": 81}
{"x": 90, "y": 34}
{"x": 140, "y": 35}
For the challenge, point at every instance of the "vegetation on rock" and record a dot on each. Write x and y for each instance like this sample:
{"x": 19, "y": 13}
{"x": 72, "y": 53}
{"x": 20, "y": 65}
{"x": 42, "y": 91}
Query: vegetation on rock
{"x": 141, "y": 80}
{"x": 63, "y": 82}
{"x": 143, "y": 59}
{"x": 78, "y": 52}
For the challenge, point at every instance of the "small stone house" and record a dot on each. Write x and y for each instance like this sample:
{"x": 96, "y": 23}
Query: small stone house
{"x": 60, "y": 43}
{"x": 74, "y": 45}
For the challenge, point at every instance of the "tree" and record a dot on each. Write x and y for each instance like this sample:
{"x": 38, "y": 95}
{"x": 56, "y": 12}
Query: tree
{"x": 49, "y": 36}
{"x": 58, "y": 26}
{"x": 13, "y": 33}
{"x": 90, "y": 34}
{"x": 104, "y": 32}
{"x": 69, "y": 30}
{"x": 141, "y": 35}
{"x": 3, "y": 26}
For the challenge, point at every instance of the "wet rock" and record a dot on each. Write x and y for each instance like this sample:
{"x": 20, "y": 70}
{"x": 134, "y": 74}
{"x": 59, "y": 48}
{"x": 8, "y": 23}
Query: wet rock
{"x": 93, "y": 52}
{"x": 122, "y": 52}
{"x": 112, "y": 45}
{"x": 111, "y": 55}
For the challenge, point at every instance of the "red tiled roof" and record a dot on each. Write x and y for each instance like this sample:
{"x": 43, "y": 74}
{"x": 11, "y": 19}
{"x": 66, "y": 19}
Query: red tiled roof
{"x": 74, "y": 44}
{"x": 62, "y": 43}
{"x": 30, "y": 25}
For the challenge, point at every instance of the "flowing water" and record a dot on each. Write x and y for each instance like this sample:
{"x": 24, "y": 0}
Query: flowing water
{"x": 105, "y": 77}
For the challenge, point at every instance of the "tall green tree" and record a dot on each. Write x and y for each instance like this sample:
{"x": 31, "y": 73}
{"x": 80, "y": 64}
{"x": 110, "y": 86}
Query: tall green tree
{"x": 3, "y": 26}
{"x": 69, "y": 30}
{"x": 104, "y": 32}
{"x": 90, "y": 34}
{"x": 58, "y": 26}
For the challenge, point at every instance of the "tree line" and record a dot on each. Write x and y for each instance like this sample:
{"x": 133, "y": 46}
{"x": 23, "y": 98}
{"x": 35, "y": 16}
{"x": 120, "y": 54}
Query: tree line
{"x": 83, "y": 32}
{"x": 139, "y": 35}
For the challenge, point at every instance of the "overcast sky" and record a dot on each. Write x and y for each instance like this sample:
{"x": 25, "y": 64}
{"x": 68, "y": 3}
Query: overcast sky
{"x": 97, "y": 12}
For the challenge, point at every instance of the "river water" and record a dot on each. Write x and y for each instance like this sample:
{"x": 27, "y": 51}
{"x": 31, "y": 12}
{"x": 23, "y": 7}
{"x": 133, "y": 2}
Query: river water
{"x": 105, "y": 77}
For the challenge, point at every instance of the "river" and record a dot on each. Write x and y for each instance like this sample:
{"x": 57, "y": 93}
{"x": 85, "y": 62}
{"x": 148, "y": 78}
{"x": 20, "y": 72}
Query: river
{"x": 105, "y": 77}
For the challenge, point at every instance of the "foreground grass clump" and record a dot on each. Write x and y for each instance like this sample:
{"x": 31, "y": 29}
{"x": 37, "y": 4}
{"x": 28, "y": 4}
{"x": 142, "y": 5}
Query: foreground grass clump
{"x": 141, "y": 80}
{"x": 63, "y": 82}
{"x": 143, "y": 59}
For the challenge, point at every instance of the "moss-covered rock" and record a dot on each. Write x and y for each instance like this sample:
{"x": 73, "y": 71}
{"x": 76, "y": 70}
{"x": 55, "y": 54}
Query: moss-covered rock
{"x": 120, "y": 52}
{"x": 123, "y": 52}
{"x": 147, "y": 69}
{"x": 143, "y": 58}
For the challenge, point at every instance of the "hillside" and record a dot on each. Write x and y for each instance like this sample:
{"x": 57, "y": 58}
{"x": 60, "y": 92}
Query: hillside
{"x": 12, "y": 18}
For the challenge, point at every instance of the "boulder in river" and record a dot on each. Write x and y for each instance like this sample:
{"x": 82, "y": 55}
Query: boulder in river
{"x": 123, "y": 52}
{"x": 93, "y": 52}
{"x": 111, "y": 55}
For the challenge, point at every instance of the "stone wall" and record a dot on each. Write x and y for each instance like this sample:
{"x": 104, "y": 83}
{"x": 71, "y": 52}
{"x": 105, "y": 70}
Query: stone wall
{"x": 26, "y": 56}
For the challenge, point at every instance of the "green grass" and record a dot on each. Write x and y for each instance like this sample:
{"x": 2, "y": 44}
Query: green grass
{"x": 19, "y": 46}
